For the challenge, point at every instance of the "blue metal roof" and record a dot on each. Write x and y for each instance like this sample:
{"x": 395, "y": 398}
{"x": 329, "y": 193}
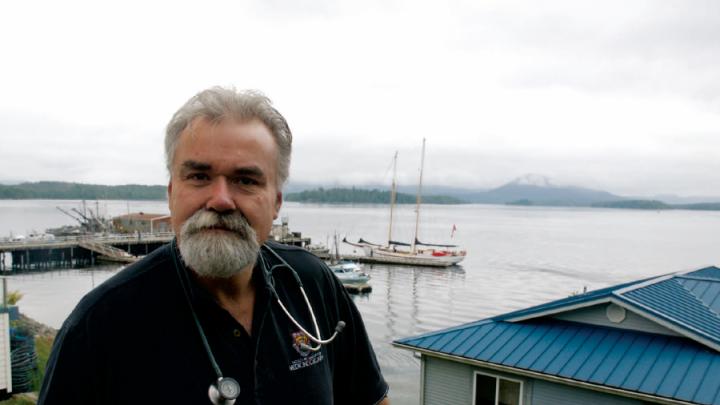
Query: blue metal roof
{"x": 689, "y": 303}
{"x": 679, "y": 367}
{"x": 670, "y": 300}
{"x": 708, "y": 272}
{"x": 707, "y": 291}
{"x": 659, "y": 365}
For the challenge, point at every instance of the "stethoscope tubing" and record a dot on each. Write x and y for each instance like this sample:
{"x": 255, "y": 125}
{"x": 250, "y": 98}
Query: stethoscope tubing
{"x": 317, "y": 338}
{"x": 182, "y": 275}
{"x": 216, "y": 395}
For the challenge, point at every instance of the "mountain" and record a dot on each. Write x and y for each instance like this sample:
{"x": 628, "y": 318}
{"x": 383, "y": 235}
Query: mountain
{"x": 530, "y": 189}
{"x": 532, "y": 179}
{"x": 539, "y": 190}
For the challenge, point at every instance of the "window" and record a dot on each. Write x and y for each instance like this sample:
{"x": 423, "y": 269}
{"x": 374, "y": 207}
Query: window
{"x": 494, "y": 390}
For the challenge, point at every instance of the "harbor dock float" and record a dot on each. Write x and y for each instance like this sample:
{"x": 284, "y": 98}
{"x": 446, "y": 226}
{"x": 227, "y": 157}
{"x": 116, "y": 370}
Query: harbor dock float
{"x": 358, "y": 288}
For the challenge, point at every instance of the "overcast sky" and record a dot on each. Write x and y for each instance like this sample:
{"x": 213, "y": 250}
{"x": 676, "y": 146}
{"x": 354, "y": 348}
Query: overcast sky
{"x": 618, "y": 95}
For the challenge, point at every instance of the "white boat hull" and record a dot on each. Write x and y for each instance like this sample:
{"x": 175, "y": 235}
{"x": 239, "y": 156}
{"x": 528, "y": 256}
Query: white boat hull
{"x": 446, "y": 259}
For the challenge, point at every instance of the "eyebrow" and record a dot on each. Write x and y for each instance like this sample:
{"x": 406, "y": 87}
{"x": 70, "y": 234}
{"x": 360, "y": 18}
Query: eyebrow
{"x": 194, "y": 165}
{"x": 191, "y": 165}
{"x": 253, "y": 171}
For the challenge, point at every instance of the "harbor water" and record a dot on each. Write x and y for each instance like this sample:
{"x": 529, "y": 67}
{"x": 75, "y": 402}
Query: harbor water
{"x": 517, "y": 257}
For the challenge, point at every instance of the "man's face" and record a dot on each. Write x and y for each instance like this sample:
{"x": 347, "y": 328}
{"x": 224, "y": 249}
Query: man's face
{"x": 227, "y": 167}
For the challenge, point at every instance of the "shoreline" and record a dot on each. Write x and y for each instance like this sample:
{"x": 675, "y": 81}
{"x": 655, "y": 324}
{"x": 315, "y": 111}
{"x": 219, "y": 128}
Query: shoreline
{"x": 35, "y": 328}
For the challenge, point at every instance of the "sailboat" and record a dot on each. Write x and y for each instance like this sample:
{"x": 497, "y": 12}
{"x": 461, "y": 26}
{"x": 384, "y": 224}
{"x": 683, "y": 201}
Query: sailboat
{"x": 416, "y": 252}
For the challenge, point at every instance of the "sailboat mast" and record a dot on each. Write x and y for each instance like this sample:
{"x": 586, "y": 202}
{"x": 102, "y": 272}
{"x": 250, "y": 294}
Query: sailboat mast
{"x": 419, "y": 198}
{"x": 393, "y": 196}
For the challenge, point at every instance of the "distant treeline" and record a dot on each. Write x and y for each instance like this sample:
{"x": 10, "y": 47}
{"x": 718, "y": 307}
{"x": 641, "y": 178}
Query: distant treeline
{"x": 57, "y": 190}
{"x": 628, "y": 204}
{"x": 362, "y": 196}
{"x": 658, "y": 205}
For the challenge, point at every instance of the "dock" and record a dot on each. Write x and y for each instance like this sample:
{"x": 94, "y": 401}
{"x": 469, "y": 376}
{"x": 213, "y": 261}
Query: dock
{"x": 78, "y": 250}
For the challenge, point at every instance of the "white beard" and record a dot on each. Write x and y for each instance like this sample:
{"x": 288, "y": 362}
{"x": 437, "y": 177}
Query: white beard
{"x": 218, "y": 253}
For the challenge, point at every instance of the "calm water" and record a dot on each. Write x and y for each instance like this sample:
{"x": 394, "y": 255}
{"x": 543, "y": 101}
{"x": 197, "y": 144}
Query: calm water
{"x": 517, "y": 257}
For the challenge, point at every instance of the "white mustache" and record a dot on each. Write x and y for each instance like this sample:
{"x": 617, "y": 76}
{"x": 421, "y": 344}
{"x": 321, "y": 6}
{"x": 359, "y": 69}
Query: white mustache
{"x": 206, "y": 219}
{"x": 218, "y": 255}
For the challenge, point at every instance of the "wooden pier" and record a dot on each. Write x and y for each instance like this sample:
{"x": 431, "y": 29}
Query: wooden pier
{"x": 78, "y": 251}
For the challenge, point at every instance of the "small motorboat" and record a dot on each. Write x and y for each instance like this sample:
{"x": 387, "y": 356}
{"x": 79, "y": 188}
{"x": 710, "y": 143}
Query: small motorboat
{"x": 349, "y": 272}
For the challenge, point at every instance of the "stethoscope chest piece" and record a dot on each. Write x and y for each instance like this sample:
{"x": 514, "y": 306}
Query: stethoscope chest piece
{"x": 224, "y": 392}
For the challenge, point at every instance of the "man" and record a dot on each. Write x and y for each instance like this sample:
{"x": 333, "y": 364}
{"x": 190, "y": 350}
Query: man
{"x": 220, "y": 315}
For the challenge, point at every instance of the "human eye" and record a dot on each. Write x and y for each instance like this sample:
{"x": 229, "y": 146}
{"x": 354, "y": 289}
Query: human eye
{"x": 246, "y": 181}
{"x": 197, "y": 177}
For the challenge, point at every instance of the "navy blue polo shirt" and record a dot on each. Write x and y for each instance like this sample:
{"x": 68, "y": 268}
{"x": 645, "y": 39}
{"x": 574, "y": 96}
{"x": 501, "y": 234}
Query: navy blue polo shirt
{"x": 133, "y": 340}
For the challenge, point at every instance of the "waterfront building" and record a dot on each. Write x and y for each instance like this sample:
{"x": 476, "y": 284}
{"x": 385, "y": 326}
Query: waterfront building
{"x": 142, "y": 222}
{"x": 649, "y": 341}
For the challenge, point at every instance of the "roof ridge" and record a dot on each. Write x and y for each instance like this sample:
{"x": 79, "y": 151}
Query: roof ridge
{"x": 643, "y": 284}
{"x": 699, "y": 278}
{"x": 693, "y": 330}
{"x": 712, "y": 311}
{"x": 588, "y": 298}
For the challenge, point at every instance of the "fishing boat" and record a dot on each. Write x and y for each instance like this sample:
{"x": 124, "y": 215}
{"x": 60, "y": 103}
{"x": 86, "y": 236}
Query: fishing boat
{"x": 416, "y": 252}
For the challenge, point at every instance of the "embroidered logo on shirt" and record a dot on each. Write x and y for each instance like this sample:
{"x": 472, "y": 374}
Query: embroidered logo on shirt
{"x": 301, "y": 343}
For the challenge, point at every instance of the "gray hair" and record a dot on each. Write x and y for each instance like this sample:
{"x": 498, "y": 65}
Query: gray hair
{"x": 219, "y": 103}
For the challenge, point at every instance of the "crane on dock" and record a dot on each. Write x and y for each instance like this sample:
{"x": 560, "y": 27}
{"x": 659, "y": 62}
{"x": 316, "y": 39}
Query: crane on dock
{"x": 88, "y": 222}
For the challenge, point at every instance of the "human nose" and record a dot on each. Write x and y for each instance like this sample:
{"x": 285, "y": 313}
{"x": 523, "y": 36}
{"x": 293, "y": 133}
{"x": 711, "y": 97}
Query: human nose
{"x": 220, "y": 199}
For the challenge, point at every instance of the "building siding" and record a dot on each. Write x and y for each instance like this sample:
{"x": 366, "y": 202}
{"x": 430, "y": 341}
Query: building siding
{"x": 547, "y": 393}
{"x": 447, "y": 383}
{"x": 450, "y": 383}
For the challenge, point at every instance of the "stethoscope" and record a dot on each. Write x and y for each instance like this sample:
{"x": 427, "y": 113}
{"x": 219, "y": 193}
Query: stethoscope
{"x": 225, "y": 390}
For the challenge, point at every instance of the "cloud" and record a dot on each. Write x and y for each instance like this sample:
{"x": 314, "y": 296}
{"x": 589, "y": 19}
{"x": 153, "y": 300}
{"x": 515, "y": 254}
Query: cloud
{"x": 41, "y": 148}
{"x": 579, "y": 90}
{"x": 651, "y": 47}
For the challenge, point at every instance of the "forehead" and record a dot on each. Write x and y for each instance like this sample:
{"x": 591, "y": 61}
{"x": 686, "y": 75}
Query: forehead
{"x": 226, "y": 140}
